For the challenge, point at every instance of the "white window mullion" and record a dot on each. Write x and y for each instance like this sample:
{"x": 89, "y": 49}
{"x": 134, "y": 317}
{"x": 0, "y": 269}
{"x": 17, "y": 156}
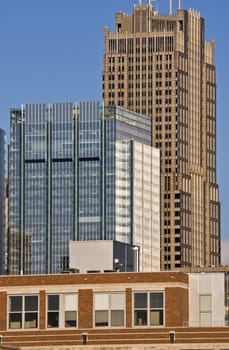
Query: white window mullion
{"x": 23, "y": 312}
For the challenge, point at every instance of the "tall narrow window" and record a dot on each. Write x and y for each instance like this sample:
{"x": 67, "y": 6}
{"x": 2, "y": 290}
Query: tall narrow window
{"x": 53, "y": 311}
{"x": 205, "y": 310}
{"x": 70, "y": 310}
{"x": 156, "y": 309}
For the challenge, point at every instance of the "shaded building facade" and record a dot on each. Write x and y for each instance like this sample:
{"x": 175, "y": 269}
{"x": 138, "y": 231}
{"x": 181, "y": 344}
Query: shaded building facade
{"x": 68, "y": 174}
{"x": 2, "y": 200}
{"x": 162, "y": 67}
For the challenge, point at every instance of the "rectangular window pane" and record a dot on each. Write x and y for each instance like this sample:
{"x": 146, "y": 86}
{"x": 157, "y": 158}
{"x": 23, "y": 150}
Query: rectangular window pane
{"x": 156, "y": 300}
{"x": 117, "y": 318}
{"x": 101, "y": 301}
{"x": 205, "y": 319}
{"x": 31, "y": 303}
{"x": 140, "y": 300}
{"x": 156, "y": 317}
{"x": 31, "y": 320}
{"x": 140, "y": 317}
{"x": 70, "y": 301}
{"x": 70, "y": 318}
{"x": 53, "y": 302}
{"x": 15, "y": 321}
{"x": 53, "y": 319}
{"x": 101, "y": 318}
{"x": 117, "y": 301}
{"x": 16, "y": 303}
{"x": 205, "y": 303}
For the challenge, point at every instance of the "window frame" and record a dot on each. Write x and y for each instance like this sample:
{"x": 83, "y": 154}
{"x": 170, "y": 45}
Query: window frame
{"x": 110, "y": 309}
{"x": 23, "y": 312}
{"x": 62, "y": 301}
{"x": 204, "y": 323}
{"x": 148, "y": 309}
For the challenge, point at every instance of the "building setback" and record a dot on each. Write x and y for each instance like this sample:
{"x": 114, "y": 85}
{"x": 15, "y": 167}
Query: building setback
{"x": 74, "y": 173}
{"x": 162, "y": 67}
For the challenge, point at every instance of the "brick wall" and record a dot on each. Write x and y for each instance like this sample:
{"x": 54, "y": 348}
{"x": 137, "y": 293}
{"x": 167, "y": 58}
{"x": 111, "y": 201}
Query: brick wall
{"x": 100, "y": 278}
{"x": 176, "y": 306}
{"x": 42, "y": 308}
{"x": 85, "y": 303}
{"x": 3, "y": 311}
{"x": 128, "y": 307}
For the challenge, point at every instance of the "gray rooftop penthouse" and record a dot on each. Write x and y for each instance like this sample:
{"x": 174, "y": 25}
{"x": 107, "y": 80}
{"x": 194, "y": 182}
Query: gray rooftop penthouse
{"x": 71, "y": 178}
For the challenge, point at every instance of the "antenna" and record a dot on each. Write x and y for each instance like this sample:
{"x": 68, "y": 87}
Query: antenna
{"x": 171, "y": 8}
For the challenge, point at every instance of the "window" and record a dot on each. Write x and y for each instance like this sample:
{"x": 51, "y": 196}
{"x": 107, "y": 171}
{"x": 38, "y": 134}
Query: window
{"x": 205, "y": 310}
{"x": 53, "y": 311}
{"x": 62, "y": 310}
{"x": 167, "y": 266}
{"x": 109, "y": 309}
{"x": 23, "y": 311}
{"x": 166, "y": 222}
{"x": 149, "y": 309}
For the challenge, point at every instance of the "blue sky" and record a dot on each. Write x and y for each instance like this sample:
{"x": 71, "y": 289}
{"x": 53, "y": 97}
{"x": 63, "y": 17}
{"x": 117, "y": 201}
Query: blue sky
{"x": 52, "y": 50}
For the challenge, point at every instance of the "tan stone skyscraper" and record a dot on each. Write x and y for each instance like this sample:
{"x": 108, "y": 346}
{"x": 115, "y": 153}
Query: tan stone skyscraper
{"x": 161, "y": 66}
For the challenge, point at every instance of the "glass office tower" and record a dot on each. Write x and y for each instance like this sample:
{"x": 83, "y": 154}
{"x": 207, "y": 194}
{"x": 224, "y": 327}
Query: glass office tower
{"x": 2, "y": 199}
{"x": 62, "y": 178}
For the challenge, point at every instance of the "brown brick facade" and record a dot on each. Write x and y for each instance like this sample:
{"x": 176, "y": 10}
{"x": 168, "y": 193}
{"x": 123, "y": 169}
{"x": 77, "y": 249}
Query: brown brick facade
{"x": 174, "y": 285}
{"x": 176, "y": 306}
{"x": 42, "y": 309}
{"x": 128, "y": 307}
{"x": 3, "y": 315}
{"x": 88, "y": 279}
{"x": 85, "y": 308}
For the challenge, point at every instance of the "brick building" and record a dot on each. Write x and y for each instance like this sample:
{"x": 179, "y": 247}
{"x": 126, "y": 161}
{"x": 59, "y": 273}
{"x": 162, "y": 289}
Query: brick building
{"x": 106, "y": 310}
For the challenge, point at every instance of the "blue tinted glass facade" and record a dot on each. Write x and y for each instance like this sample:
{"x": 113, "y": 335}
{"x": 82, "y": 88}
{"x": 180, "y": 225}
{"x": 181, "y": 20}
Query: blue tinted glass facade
{"x": 89, "y": 223}
{"x": 2, "y": 199}
{"x": 62, "y": 179}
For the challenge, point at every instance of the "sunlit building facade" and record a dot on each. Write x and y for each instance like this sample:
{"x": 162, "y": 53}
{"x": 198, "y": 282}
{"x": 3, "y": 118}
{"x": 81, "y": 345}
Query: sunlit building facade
{"x": 70, "y": 167}
{"x": 137, "y": 194}
{"x": 161, "y": 66}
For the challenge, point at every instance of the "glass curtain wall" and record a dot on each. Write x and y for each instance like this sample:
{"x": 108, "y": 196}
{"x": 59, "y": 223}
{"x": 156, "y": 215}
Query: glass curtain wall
{"x": 62, "y": 179}
{"x": 2, "y": 199}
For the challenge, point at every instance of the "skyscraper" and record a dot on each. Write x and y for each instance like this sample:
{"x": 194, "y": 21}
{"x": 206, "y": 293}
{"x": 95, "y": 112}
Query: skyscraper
{"x": 73, "y": 170}
{"x": 162, "y": 67}
{"x": 2, "y": 200}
